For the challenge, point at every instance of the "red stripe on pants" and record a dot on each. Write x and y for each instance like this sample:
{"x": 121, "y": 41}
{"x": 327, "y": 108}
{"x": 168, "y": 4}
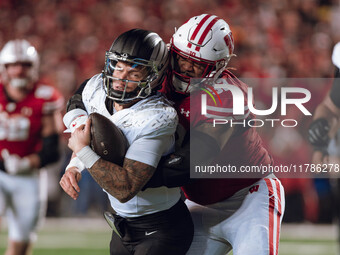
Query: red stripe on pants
{"x": 271, "y": 216}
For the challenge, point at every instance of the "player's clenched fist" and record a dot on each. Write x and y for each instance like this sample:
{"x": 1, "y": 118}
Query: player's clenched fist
{"x": 69, "y": 182}
{"x": 80, "y": 137}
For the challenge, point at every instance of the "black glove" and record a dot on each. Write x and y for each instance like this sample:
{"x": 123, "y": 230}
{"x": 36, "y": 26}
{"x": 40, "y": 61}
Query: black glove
{"x": 172, "y": 171}
{"x": 318, "y": 134}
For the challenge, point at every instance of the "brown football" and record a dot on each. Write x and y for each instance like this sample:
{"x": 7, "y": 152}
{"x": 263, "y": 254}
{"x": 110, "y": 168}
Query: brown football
{"x": 107, "y": 140}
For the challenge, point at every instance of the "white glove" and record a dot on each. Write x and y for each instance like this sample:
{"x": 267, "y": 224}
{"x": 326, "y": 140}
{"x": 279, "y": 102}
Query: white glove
{"x": 73, "y": 119}
{"x": 15, "y": 164}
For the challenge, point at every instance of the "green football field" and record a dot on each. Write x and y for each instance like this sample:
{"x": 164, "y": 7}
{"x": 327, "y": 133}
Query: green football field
{"x": 91, "y": 236}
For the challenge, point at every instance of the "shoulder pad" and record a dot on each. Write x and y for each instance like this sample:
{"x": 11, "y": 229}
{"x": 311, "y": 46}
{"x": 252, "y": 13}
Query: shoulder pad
{"x": 44, "y": 92}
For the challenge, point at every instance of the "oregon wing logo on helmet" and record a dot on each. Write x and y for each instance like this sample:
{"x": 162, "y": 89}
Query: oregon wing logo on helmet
{"x": 19, "y": 51}
{"x": 140, "y": 49}
{"x": 206, "y": 40}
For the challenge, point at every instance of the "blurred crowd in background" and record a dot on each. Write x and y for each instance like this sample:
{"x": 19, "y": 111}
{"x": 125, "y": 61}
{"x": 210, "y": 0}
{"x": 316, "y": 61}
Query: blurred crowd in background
{"x": 273, "y": 39}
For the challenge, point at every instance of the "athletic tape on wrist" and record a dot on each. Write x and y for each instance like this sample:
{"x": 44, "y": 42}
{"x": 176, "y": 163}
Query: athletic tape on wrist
{"x": 87, "y": 156}
{"x": 76, "y": 162}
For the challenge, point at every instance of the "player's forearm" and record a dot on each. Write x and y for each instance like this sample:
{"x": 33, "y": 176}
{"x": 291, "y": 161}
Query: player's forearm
{"x": 121, "y": 182}
{"x": 38, "y": 160}
{"x": 34, "y": 160}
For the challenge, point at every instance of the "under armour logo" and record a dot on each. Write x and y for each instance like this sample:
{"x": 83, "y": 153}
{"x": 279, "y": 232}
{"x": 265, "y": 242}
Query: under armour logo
{"x": 254, "y": 188}
{"x": 185, "y": 112}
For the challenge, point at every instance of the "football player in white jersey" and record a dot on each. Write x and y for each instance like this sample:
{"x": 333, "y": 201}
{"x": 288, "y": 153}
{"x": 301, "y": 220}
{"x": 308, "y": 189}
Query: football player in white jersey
{"x": 28, "y": 141}
{"x": 153, "y": 221}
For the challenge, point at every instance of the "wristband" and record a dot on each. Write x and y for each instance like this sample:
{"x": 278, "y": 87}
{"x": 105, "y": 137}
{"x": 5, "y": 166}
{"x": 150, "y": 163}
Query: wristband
{"x": 75, "y": 162}
{"x": 87, "y": 156}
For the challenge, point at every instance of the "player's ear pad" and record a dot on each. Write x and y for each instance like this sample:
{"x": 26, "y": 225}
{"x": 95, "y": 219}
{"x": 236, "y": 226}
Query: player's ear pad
{"x": 107, "y": 140}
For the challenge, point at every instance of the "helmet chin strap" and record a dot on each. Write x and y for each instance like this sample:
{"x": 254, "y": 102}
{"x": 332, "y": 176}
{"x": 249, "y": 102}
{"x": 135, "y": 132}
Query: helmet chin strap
{"x": 127, "y": 95}
{"x": 19, "y": 83}
{"x": 179, "y": 85}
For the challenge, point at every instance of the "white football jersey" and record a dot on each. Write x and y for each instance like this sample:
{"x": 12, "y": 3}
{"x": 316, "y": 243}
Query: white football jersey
{"x": 152, "y": 120}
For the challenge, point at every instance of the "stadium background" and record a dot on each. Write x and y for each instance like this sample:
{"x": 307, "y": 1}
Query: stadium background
{"x": 278, "y": 38}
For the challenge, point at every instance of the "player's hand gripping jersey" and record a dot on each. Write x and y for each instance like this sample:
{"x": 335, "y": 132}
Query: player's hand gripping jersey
{"x": 244, "y": 147}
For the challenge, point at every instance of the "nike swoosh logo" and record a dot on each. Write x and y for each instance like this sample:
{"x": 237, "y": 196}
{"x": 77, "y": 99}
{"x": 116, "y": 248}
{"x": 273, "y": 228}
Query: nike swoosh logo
{"x": 174, "y": 160}
{"x": 150, "y": 233}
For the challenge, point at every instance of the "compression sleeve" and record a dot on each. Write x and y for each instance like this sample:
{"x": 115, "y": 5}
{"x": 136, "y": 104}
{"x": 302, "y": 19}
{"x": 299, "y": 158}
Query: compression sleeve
{"x": 76, "y": 102}
{"x": 50, "y": 150}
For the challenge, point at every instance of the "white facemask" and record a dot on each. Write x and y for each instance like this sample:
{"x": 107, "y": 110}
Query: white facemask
{"x": 19, "y": 83}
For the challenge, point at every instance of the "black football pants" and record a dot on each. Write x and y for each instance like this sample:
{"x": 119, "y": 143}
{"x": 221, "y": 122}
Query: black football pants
{"x": 168, "y": 232}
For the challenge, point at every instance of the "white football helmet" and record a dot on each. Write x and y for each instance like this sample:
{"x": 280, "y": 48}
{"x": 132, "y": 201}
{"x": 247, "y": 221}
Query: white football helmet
{"x": 19, "y": 51}
{"x": 336, "y": 55}
{"x": 206, "y": 40}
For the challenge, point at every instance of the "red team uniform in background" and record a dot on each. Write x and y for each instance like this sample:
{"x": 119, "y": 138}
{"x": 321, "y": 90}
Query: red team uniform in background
{"x": 20, "y": 122}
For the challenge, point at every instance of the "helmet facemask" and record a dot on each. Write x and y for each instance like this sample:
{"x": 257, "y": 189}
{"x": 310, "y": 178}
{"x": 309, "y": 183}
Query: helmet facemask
{"x": 140, "y": 50}
{"x": 181, "y": 80}
{"x": 145, "y": 68}
{"x": 23, "y": 83}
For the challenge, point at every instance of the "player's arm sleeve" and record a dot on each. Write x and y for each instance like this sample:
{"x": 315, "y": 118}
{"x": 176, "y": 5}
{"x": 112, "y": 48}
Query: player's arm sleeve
{"x": 335, "y": 90}
{"x": 149, "y": 150}
{"x": 174, "y": 170}
{"x": 76, "y": 102}
{"x": 50, "y": 150}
